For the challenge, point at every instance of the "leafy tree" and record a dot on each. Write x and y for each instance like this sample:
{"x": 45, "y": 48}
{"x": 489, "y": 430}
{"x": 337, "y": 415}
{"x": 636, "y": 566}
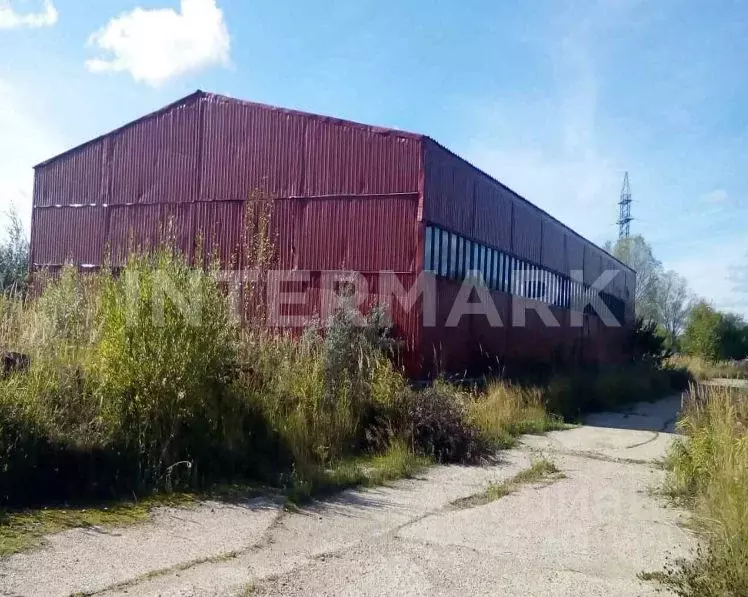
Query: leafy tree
{"x": 647, "y": 344}
{"x": 637, "y": 254}
{"x": 14, "y": 255}
{"x": 703, "y": 333}
{"x": 734, "y": 337}
{"x": 674, "y": 301}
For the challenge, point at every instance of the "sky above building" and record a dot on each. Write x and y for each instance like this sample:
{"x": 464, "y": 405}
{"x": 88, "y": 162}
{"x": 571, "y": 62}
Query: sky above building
{"x": 557, "y": 99}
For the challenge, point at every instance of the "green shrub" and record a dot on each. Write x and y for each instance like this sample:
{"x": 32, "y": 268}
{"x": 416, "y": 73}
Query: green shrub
{"x": 329, "y": 393}
{"x": 164, "y": 365}
{"x": 440, "y": 427}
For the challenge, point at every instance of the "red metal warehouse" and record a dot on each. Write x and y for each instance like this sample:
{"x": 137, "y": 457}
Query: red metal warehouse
{"x": 346, "y": 197}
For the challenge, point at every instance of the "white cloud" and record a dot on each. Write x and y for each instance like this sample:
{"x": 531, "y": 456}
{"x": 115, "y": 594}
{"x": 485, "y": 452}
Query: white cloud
{"x": 27, "y": 142}
{"x": 715, "y": 197}
{"x": 12, "y": 18}
{"x": 157, "y": 45}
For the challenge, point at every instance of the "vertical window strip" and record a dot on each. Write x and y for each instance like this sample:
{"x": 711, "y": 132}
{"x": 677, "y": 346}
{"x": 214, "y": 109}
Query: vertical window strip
{"x": 500, "y": 271}
{"x": 437, "y": 244}
{"x": 453, "y": 256}
{"x": 495, "y": 271}
{"x": 460, "y": 248}
{"x": 484, "y": 264}
{"x": 507, "y": 274}
{"x": 444, "y": 254}
{"x": 476, "y": 258}
{"x": 428, "y": 248}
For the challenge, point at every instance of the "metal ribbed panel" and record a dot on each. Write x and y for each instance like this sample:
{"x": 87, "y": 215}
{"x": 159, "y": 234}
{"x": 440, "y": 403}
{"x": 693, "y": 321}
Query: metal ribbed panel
{"x": 383, "y": 234}
{"x": 132, "y": 229}
{"x": 178, "y": 226}
{"x": 323, "y": 237}
{"x": 73, "y": 179}
{"x": 287, "y": 218}
{"x": 362, "y": 234}
{"x": 446, "y": 349}
{"x": 493, "y": 209}
{"x": 218, "y": 228}
{"x": 554, "y": 247}
{"x": 526, "y": 232}
{"x": 341, "y": 159}
{"x": 592, "y": 264}
{"x": 68, "y": 235}
{"x": 250, "y": 149}
{"x": 449, "y": 190}
{"x": 155, "y": 160}
{"x": 574, "y": 252}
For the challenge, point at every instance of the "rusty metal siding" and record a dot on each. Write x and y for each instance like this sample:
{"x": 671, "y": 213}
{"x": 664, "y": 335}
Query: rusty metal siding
{"x": 340, "y": 160}
{"x": 248, "y": 149}
{"x": 527, "y": 232}
{"x": 323, "y": 237}
{"x": 178, "y": 227}
{"x": 218, "y": 226}
{"x": 592, "y": 264}
{"x": 132, "y": 229}
{"x": 361, "y": 234}
{"x": 449, "y": 190}
{"x": 442, "y": 348}
{"x": 74, "y": 179}
{"x": 554, "y": 247}
{"x": 383, "y": 234}
{"x": 287, "y": 216}
{"x": 493, "y": 209}
{"x": 68, "y": 235}
{"x": 155, "y": 160}
{"x": 574, "y": 252}
{"x": 251, "y": 148}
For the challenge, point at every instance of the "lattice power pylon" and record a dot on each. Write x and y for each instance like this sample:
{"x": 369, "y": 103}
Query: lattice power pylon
{"x": 624, "y": 213}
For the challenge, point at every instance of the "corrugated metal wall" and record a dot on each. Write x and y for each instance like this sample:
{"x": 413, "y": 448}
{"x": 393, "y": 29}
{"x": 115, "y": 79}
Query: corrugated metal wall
{"x": 464, "y": 200}
{"x": 345, "y": 196}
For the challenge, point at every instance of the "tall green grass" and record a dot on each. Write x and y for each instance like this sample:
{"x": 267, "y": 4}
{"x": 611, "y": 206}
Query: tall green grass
{"x": 709, "y": 471}
{"x": 702, "y": 369}
{"x": 142, "y": 382}
{"x": 505, "y": 410}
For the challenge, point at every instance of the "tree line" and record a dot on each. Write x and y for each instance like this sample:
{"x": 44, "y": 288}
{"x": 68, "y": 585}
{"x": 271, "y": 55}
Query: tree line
{"x": 689, "y": 324}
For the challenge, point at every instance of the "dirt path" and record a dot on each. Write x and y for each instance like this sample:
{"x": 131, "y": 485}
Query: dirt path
{"x": 587, "y": 534}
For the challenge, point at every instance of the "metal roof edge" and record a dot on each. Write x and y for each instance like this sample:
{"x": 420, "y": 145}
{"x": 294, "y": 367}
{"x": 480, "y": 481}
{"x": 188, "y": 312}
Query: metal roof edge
{"x": 200, "y": 95}
{"x": 321, "y": 117}
{"x": 530, "y": 203}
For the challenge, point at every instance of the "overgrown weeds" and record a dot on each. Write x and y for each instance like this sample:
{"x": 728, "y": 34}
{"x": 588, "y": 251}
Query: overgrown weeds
{"x": 701, "y": 369}
{"x": 141, "y": 382}
{"x": 505, "y": 411}
{"x": 541, "y": 471}
{"x": 709, "y": 472}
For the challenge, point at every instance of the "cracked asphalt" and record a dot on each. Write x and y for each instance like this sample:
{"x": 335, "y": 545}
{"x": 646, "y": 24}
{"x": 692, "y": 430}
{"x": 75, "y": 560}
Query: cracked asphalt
{"x": 587, "y": 534}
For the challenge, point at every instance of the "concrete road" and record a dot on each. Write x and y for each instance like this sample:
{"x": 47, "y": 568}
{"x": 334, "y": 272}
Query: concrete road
{"x": 587, "y": 534}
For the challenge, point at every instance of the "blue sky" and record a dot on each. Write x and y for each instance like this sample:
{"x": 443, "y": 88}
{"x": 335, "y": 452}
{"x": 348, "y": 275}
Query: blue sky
{"x": 556, "y": 99}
